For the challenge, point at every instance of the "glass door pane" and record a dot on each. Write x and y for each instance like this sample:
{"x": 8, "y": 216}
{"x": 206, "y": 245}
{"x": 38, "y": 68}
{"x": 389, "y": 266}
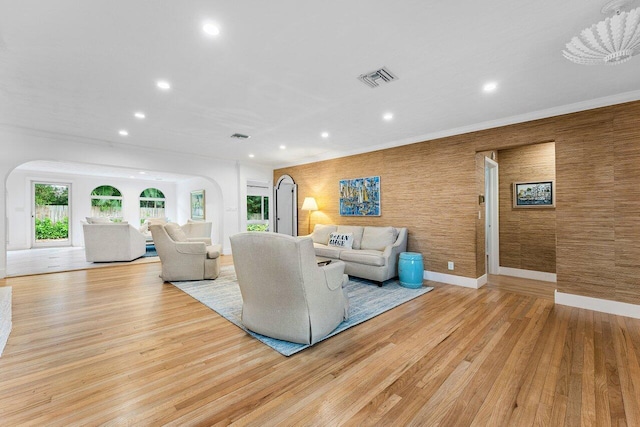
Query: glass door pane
{"x": 51, "y": 214}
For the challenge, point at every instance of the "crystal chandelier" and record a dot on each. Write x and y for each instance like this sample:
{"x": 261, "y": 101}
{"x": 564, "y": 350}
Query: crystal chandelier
{"x": 612, "y": 41}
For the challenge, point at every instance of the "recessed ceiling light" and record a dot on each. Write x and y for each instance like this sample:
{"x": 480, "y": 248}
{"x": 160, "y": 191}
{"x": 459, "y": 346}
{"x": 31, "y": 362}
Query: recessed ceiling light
{"x": 163, "y": 84}
{"x": 123, "y": 132}
{"x": 251, "y": 155}
{"x": 142, "y": 173}
{"x": 387, "y": 116}
{"x": 139, "y": 115}
{"x": 325, "y": 134}
{"x": 132, "y": 177}
{"x": 282, "y": 147}
{"x": 210, "y": 29}
{"x": 490, "y": 87}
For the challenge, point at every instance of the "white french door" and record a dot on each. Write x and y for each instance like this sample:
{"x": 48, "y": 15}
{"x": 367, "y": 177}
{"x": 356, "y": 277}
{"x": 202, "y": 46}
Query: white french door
{"x": 50, "y": 214}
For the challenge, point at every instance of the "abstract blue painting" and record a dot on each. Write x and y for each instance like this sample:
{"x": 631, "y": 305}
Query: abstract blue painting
{"x": 360, "y": 196}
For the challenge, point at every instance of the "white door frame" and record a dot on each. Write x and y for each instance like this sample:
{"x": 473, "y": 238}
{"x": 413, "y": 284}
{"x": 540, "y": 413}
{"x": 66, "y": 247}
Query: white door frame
{"x": 492, "y": 222}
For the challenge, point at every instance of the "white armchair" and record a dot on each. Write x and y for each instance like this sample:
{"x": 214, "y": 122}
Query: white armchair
{"x": 184, "y": 258}
{"x": 285, "y": 294}
{"x": 112, "y": 242}
{"x": 197, "y": 229}
{"x": 192, "y": 229}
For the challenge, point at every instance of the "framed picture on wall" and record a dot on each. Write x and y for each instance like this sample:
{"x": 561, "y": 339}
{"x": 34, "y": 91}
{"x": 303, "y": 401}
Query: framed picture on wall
{"x": 197, "y": 205}
{"x": 360, "y": 196}
{"x": 534, "y": 194}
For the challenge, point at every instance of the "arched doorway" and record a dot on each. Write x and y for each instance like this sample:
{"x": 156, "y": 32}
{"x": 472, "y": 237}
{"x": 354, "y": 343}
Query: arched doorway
{"x": 86, "y": 201}
{"x": 286, "y": 206}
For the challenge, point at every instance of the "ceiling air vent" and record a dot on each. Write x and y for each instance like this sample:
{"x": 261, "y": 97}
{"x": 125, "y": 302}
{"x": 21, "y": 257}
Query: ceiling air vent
{"x": 240, "y": 136}
{"x": 374, "y": 78}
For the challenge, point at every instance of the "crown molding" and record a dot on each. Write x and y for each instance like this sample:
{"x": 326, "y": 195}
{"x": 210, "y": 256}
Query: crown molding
{"x": 506, "y": 121}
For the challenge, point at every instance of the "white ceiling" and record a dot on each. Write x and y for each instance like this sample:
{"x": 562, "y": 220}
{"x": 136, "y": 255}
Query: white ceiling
{"x": 86, "y": 169}
{"x": 283, "y": 71}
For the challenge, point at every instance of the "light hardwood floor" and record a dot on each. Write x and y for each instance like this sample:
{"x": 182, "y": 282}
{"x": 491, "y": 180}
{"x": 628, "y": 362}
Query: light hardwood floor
{"x": 117, "y": 346}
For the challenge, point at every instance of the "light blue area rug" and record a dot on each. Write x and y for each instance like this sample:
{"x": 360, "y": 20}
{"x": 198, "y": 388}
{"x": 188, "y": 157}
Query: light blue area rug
{"x": 366, "y": 300}
{"x": 151, "y": 251}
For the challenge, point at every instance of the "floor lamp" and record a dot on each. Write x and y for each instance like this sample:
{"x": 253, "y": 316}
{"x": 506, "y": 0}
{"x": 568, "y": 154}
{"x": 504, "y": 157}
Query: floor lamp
{"x": 310, "y": 205}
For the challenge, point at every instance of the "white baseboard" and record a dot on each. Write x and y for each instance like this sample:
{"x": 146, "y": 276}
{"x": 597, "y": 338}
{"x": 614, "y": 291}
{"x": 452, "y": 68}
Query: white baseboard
{"x": 597, "y": 304}
{"x": 482, "y": 280}
{"x": 451, "y": 279}
{"x": 528, "y": 274}
{"x": 578, "y": 301}
{"x": 3, "y": 273}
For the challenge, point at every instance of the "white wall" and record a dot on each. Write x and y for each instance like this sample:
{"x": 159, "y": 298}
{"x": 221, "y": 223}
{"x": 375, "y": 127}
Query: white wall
{"x": 212, "y": 199}
{"x": 223, "y": 180}
{"x": 19, "y": 203}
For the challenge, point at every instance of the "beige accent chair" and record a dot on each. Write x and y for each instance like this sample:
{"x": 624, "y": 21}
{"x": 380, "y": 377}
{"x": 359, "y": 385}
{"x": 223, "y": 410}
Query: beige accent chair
{"x": 184, "y": 258}
{"x": 144, "y": 228}
{"x": 193, "y": 229}
{"x": 109, "y": 242}
{"x": 285, "y": 294}
{"x": 197, "y": 229}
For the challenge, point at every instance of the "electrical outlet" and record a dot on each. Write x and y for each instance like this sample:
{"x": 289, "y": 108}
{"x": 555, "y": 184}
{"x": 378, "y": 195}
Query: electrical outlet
{"x": 450, "y": 265}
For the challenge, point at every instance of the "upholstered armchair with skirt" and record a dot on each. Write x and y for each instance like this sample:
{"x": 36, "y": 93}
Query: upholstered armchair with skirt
{"x": 197, "y": 229}
{"x": 192, "y": 229}
{"x": 184, "y": 258}
{"x": 285, "y": 294}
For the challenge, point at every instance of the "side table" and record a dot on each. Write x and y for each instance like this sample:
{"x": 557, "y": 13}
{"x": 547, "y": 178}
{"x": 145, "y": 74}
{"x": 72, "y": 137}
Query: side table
{"x": 411, "y": 270}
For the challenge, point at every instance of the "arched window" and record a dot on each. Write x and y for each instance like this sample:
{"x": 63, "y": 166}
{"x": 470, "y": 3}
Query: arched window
{"x": 151, "y": 204}
{"x": 106, "y": 201}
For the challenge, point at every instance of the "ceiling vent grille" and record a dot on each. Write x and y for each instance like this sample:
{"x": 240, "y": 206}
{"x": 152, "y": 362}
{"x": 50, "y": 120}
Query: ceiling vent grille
{"x": 240, "y": 136}
{"x": 374, "y": 78}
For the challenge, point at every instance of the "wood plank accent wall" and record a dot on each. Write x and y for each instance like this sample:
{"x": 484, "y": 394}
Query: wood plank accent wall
{"x": 421, "y": 188}
{"x": 527, "y": 236}
{"x": 431, "y": 188}
{"x": 626, "y": 178}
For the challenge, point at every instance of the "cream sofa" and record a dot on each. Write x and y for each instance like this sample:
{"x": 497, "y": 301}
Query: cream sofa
{"x": 374, "y": 252}
{"x": 285, "y": 294}
{"x": 108, "y": 242}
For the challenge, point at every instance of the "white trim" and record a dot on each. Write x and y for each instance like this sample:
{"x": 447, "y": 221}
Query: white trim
{"x": 450, "y": 279}
{"x": 482, "y": 280}
{"x": 3, "y": 272}
{"x": 597, "y": 304}
{"x": 528, "y": 274}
